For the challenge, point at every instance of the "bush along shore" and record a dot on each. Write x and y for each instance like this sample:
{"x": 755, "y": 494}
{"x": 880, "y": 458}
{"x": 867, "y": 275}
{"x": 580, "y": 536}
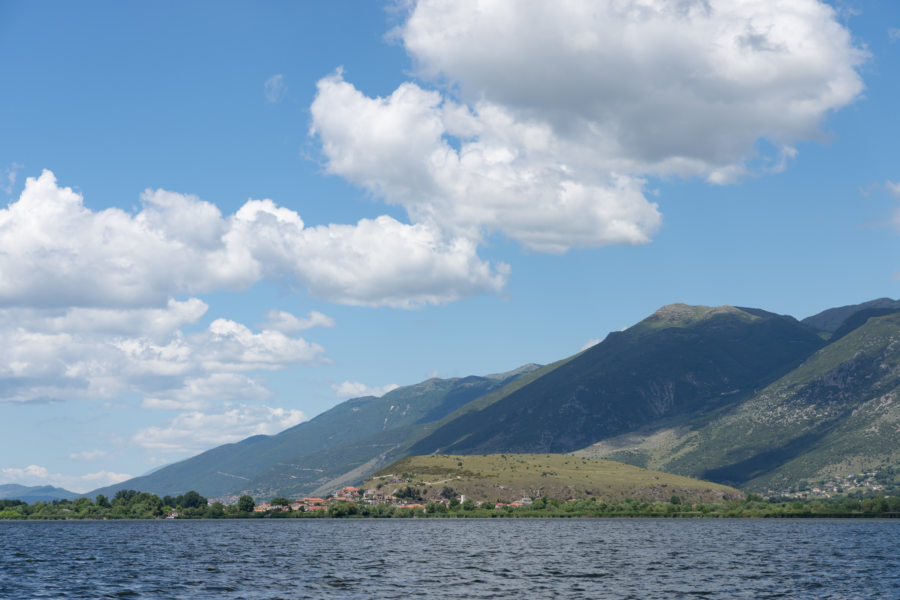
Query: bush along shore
{"x": 130, "y": 504}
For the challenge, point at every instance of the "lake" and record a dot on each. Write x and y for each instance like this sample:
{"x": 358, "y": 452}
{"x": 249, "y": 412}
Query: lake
{"x": 441, "y": 558}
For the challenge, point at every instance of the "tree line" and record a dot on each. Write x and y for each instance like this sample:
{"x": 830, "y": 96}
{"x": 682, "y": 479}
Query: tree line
{"x": 126, "y": 504}
{"x": 131, "y": 504}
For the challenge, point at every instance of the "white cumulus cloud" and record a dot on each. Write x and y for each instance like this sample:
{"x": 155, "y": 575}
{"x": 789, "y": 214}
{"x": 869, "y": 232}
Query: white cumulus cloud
{"x": 55, "y": 252}
{"x": 53, "y": 354}
{"x": 550, "y": 116}
{"x": 355, "y": 389}
{"x": 204, "y": 392}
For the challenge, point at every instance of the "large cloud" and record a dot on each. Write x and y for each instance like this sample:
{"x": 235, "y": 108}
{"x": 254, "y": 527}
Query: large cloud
{"x": 661, "y": 86}
{"x": 554, "y": 113}
{"x": 507, "y": 175}
{"x": 55, "y": 252}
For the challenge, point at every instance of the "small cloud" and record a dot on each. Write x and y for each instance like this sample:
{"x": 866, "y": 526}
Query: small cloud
{"x": 88, "y": 455}
{"x": 893, "y": 187}
{"x": 785, "y": 154}
{"x": 590, "y": 344}
{"x": 285, "y": 322}
{"x": 9, "y": 177}
{"x": 894, "y": 34}
{"x": 355, "y": 389}
{"x": 275, "y": 88}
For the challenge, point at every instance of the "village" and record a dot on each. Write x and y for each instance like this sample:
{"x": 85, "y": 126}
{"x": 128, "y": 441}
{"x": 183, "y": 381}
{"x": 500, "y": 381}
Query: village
{"x": 372, "y": 497}
{"x": 864, "y": 483}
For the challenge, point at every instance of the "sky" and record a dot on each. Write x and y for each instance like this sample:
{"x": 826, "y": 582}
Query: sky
{"x": 220, "y": 219}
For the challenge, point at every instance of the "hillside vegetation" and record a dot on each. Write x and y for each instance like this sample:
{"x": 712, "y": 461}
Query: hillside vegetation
{"x": 510, "y": 477}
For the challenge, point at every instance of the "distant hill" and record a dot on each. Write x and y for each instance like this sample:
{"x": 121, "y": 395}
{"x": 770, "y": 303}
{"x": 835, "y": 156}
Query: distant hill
{"x": 37, "y": 493}
{"x": 509, "y": 477}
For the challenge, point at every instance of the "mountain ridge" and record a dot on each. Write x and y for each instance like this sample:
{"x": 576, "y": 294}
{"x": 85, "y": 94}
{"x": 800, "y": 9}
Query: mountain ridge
{"x": 649, "y": 395}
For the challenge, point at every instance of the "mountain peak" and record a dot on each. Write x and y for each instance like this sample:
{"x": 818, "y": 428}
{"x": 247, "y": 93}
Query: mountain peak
{"x": 520, "y": 371}
{"x": 680, "y": 314}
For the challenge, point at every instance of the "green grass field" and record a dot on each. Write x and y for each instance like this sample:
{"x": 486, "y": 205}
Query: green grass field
{"x": 509, "y": 477}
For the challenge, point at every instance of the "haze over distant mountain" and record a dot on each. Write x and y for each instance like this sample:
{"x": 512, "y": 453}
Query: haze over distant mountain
{"x": 739, "y": 396}
{"x": 36, "y": 493}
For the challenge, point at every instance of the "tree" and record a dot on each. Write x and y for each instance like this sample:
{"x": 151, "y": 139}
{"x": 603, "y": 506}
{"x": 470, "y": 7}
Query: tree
{"x": 342, "y": 508}
{"x": 280, "y": 501}
{"x": 124, "y": 496}
{"x": 102, "y": 501}
{"x": 246, "y": 504}
{"x": 193, "y": 499}
{"x": 215, "y": 511}
{"x": 408, "y": 493}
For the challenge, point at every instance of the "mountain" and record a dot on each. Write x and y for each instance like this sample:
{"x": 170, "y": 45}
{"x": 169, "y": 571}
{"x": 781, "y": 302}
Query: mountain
{"x": 312, "y": 453}
{"x": 836, "y": 414}
{"x": 37, "y": 493}
{"x": 831, "y": 320}
{"x": 736, "y": 395}
{"x": 681, "y": 361}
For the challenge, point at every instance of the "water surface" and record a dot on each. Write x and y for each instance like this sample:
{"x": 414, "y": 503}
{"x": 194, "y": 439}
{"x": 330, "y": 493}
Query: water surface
{"x": 438, "y": 558}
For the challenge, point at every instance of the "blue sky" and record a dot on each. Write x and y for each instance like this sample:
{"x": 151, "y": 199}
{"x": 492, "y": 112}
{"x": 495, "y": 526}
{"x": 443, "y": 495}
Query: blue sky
{"x": 222, "y": 218}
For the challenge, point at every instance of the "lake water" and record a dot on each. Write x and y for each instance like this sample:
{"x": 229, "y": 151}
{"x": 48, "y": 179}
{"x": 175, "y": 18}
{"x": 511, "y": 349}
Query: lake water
{"x": 485, "y": 558}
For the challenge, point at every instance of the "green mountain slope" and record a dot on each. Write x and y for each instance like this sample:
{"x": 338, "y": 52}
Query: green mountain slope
{"x": 832, "y": 319}
{"x": 682, "y": 360}
{"x": 838, "y": 413}
{"x": 251, "y": 463}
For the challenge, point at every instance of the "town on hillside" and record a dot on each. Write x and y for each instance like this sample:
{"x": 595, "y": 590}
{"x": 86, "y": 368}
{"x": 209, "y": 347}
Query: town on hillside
{"x": 405, "y": 497}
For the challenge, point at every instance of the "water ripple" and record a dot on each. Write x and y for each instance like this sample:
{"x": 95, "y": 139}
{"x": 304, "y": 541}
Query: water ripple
{"x": 514, "y": 558}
